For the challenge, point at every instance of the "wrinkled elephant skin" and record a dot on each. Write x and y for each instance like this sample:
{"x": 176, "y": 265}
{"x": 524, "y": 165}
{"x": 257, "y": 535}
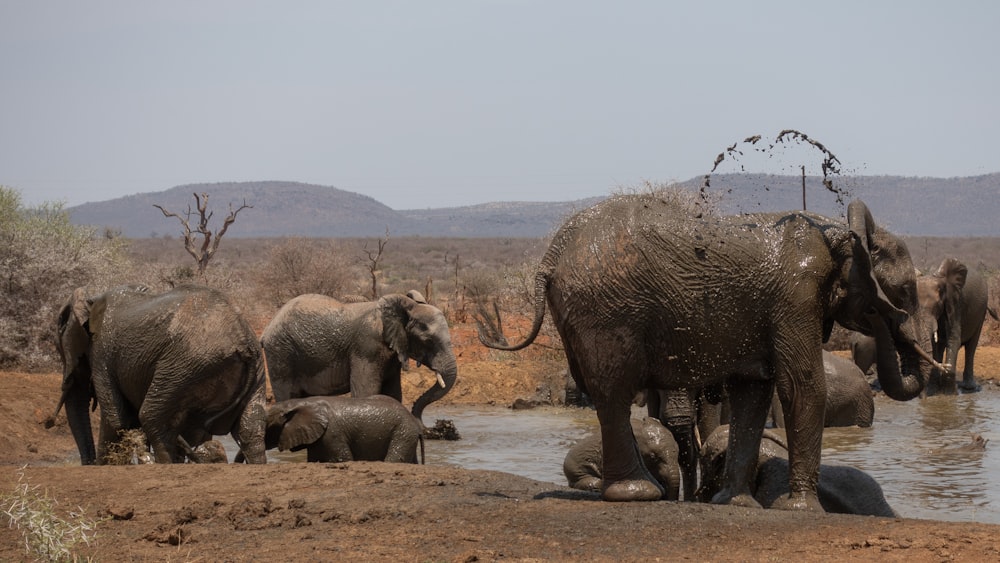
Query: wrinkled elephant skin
{"x": 316, "y": 345}
{"x": 337, "y": 429}
{"x": 181, "y": 365}
{"x": 654, "y": 291}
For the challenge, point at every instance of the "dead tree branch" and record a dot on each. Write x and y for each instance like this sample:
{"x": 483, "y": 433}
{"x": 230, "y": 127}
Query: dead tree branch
{"x": 203, "y": 252}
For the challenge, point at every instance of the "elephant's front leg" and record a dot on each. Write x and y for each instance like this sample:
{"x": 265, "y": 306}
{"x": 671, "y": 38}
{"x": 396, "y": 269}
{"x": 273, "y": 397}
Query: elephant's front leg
{"x": 750, "y": 401}
{"x": 625, "y": 476}
{"x": 804, "y": 414}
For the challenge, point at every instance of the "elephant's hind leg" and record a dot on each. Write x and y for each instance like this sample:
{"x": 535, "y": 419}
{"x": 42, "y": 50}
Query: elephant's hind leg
{"x": 625, "y": 476}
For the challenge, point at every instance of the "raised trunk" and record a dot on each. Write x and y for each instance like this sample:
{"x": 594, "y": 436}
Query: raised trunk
{"x": 901, "y": 378}
{"x": 447, "y": 371}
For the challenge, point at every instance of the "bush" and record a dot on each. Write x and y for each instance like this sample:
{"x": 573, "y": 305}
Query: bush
{"x": 297, "y": 266}
{"x": 43, "y": 257}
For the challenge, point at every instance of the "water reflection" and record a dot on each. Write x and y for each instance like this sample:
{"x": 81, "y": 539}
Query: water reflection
{"x": 908, "y": 449}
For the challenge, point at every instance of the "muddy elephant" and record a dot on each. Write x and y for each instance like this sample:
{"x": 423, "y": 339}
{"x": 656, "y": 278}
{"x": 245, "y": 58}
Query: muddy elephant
{"x": 953, "y": 304}
{"x": 181, "y": 365}
{"x": 842, "y": 489}
{"x": 652, "y": 291}
{"x": 849, "y": 400}
{"x": 690, "y": 414}
{"x": 334, "y": 429}
{"x": 316, "y": 345}
{"x": 657, "y": 447}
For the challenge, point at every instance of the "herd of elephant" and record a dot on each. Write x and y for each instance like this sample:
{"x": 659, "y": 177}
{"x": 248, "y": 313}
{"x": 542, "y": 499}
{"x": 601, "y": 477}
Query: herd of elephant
{"x": 184, "y": 366}
{"x": 650, "y": 293}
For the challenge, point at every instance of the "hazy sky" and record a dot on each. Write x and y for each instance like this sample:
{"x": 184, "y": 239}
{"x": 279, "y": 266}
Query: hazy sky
{"x": 447, "y": 103}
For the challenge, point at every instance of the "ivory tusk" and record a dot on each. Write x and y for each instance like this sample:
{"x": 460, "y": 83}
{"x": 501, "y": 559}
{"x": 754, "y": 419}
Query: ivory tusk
{"x": 440, "y": 380}
{"x": 920, "y": 352}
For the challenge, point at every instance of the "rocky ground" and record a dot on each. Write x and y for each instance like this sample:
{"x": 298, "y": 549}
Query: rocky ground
{"x": 389, "y": 512}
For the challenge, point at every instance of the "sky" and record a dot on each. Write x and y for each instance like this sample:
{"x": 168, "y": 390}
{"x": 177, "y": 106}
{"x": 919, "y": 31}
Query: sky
{"x": 445, "y": 103}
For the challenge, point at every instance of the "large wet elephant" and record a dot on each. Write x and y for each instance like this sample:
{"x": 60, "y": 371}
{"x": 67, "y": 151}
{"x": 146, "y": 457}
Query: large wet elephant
{"x": 651, "y": 291}
{"x": 582, "y": 465}
{"x": 182, "y": 365}
{"x": 849, "y": 400}
{"x": 333, "y": 429}
{"x": 953, "y": 304}
{"x": 842, "y": 489}
{"x": 316, "y": 345}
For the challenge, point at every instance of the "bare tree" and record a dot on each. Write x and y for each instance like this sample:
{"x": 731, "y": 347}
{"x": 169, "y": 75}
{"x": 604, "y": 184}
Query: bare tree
{"x": 204, "y": 252}
{"x": 375, "y": 262}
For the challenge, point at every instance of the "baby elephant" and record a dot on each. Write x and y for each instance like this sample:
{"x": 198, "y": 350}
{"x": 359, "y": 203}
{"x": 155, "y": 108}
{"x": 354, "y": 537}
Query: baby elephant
{"x": 842, "y": 489}
{"x": 657, "y": 447}
{"x": 344, "y": 428}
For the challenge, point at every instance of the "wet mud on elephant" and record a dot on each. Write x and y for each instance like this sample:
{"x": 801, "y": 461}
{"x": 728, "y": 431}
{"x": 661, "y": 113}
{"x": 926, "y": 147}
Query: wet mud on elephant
{"x": 653, "y": 291}
{"x": 336, "y": 429}
{"x": 316, "y": 345}
{"x": 181, "y": 365}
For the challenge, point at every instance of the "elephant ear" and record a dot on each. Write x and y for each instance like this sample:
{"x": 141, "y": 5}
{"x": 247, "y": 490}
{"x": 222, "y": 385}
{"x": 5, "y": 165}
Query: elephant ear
{"x": 79, "y": 305}
{"x": 304, "y": 425}
{"x": 862, "y": 226}
{"x": 395, "y": 312}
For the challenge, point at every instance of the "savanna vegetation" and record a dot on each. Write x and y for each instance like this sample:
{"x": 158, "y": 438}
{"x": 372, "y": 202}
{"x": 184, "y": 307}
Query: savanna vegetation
{"x": 43, "y": 256}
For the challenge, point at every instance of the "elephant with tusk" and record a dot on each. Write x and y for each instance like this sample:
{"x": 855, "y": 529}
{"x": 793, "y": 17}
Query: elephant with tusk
{"x": 316, "y": 345}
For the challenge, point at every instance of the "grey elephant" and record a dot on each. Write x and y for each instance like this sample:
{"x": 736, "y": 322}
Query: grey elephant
{"x": 842, "y": 489}
{"x": 316, "y": 345}
{"x": 651, "y": 291}
{"x": 334, "y": 429}
{"x": 953, "y": 304}
{"x": 657, "y": 447}
{"x": 181, "y": 365}
{"x": 849, "y": 400}
{"x": 690, "y": 414}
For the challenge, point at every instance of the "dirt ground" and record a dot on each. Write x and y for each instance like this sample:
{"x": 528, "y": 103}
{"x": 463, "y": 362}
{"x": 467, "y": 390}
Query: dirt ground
{"x": 391, "y": 512}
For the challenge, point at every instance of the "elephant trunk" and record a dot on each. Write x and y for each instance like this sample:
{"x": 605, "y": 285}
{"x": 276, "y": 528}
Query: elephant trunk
{"x": 447, "y": 372}
{"x": 76, "y": 397}
{"x": 904, "y": 378}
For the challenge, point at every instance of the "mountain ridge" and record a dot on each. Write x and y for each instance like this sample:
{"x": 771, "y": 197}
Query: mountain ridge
{"x": 916, "y": 206}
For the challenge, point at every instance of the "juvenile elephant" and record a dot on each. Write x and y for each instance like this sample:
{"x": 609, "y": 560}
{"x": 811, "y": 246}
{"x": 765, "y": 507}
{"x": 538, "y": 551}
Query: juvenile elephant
{"x": 849, "y": 400}
{"x": 651, "y": 291}
{"x": 182, "y": 365}
{"x": 842, "y": 489}
{"x": 316, "y": 345}
{"x": 657, "y": 447}
{"x": 954, "y": 304}
{"x": 333, "y": 429}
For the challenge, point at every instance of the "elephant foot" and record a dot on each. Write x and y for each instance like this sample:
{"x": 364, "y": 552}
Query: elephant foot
{"x": 798, "y": 501}
{"x": 745, "y": 500}
{"x": 629, "y": 490}
{"x": 970, "y": 386}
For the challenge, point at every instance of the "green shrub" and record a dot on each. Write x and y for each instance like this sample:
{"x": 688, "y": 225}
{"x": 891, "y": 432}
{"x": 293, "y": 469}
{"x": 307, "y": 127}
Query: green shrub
{"x": 43, "y": 257}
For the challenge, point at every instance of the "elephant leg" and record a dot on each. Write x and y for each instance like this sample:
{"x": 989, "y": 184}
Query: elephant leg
{"x": 366, "y": 378}
{"x": 625, "y": 475}
{"x": 678, "y": 417}
{"x": 250, "y": 429}
{"x": 749, "y": 403}
{"x": 804, "y": 417}
{"x": 334, "y": 447}
{"x": 402, "y": 447}
{"x": 968, "y": 383}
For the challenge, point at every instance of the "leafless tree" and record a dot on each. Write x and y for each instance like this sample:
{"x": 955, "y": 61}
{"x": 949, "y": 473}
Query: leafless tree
{"x": 203, "y": 252}
{"x": 375, "y": 262}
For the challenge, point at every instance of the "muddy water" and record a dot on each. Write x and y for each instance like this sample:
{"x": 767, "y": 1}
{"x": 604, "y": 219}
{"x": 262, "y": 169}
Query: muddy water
{"x": 912, "y": 449}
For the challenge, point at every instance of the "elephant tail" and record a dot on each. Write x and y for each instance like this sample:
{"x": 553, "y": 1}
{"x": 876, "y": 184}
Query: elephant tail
{"x": 993, "y": 313}
{"x": 423, "y": 457}
{"x": 541, "y": 287}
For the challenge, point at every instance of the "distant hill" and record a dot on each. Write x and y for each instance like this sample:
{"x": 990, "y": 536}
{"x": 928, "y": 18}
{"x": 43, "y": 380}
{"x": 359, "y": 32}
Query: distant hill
{"x": 948, "y": 207}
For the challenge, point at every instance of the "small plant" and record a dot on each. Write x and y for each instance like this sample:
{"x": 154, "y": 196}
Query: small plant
{"x": 47, "y": 535}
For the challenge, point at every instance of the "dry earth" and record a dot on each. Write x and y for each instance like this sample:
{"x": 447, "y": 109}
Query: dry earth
{"x": 389, "y": 512}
